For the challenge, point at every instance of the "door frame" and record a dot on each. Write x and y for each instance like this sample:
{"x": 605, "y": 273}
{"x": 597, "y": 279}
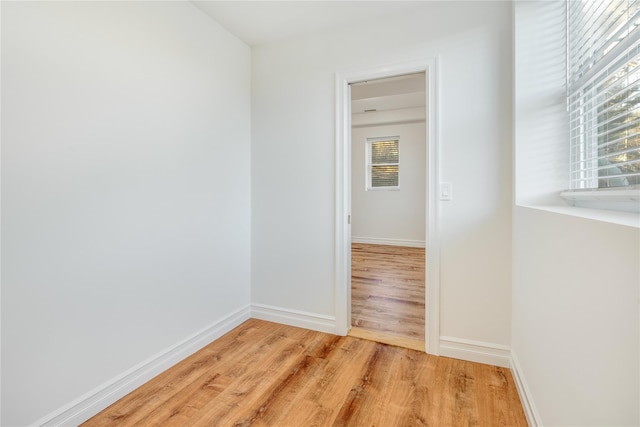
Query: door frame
{"x": 343, "y": 193}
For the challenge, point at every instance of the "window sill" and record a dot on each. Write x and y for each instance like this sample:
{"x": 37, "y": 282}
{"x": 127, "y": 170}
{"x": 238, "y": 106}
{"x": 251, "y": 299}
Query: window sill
{"x": 383, "y": 189}
{"x": 613, "y": 200}
{"x": 628, "y": 219}
{"x": 632, "y": 195}
{"x": 599, "y": 207}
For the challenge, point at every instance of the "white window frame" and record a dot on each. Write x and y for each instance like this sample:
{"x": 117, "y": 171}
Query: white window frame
{"x": 369, "y": 164}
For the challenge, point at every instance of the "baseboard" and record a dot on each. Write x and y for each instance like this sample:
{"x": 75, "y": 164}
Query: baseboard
{"x": 530, "y": 411}
{"x": 391, "y": 242}
{"x": 101, "y": 397}
{"x": 300, "y": 319}
{"x": 475, "y": 351}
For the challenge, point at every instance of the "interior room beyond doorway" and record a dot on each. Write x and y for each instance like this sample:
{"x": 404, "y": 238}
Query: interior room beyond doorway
{"x": 388, "y": 208}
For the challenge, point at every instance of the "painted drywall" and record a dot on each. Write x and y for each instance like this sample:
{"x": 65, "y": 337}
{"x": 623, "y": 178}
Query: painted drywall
{"x": 293, "y": 159}
{"x": 541, "y": 154}
{"x": 125, "y": 190}
{"x": 575, "y": 317}
{"x": 575, "y": 328}
{"x": 397, "y": 215}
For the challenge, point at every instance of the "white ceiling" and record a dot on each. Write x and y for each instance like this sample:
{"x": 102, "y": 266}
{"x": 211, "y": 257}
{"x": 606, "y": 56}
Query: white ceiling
{"x": 262, "y": 22}
{"x": 404, "y": 84}
{"x": 393, "y": 93}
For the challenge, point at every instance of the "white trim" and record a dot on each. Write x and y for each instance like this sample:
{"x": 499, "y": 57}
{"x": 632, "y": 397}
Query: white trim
{"x": 475, "y": 351}
{"x": 343, "y": 192}
{"x": 625, "y": 195}
{"x": 530, "y": 411}
{"x": 432, "y": 305}
{"x": 0, "y": 223}
{"x": 300, "y": 319}
{"x": 396, "y": 188}
{"x": 390, "y": 242}
{"x": 86, "y": 406}
{"x": 368, "y": 164}
{"x": 623, "y": 200}
{"x": 342, "y": 249}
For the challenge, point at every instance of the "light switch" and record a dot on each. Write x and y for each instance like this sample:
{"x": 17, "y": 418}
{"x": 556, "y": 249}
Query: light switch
{"x": 446, "y": 191}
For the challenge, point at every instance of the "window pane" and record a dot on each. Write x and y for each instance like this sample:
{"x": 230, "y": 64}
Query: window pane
{"x": 618, "y": 134}
{"x": 604, "y": 86}
{"x": 384, "y": 152}
{"x": 384, "y": 176}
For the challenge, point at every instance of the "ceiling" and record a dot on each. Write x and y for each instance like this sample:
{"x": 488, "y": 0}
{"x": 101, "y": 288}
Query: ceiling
{"x": 392, "y": 100}
{"x": 261, "y": 22}
{"x": 393, "y": 93}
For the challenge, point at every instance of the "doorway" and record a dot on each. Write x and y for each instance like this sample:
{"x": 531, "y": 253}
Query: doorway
{"x": 388, "y": 202}
{"x": 343, "y": 289}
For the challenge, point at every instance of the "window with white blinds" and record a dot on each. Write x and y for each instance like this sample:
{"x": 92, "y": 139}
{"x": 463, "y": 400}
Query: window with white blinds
{"x": 603, "y": 73}
{"x": 383, "y": 163}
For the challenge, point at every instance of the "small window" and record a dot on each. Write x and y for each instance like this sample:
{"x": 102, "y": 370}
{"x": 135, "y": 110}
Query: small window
{"x": 383, "y": 163}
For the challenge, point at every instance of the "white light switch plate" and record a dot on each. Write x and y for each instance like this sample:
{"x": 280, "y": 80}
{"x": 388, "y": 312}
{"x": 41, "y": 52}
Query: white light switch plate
{"x": 446, "y": 191}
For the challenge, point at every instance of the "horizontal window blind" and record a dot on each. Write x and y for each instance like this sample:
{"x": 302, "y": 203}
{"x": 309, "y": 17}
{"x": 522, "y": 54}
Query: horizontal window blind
{"x": 383, "y": 163}
{"x": 384, "y": 152}
{"x": 384, "y": 176}
{"x": 603, "y": 68}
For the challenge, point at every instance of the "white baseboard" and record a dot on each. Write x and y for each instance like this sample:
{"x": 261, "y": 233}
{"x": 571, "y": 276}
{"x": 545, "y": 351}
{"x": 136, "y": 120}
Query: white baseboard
{"x": 300, "y": 319}
{"x": 391, "y": 242}
{"x": 475, "y": 351}
{"x": 530, "y": 411}
{"x": 91, "y": 403}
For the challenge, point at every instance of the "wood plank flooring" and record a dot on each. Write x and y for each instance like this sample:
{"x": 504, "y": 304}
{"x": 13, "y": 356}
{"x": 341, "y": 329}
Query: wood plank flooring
{"x": 388, "y": 294}
{"x": 266, "y": 374}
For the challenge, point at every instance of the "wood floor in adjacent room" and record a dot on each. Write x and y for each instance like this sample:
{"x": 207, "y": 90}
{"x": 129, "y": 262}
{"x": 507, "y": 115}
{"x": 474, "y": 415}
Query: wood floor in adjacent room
{"x": 267, "y": 374}
{"x": 388, "y": 294}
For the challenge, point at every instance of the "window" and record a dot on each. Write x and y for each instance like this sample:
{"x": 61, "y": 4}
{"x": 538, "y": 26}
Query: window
{"x": 603, "y": 81}
{"x": 383, "y": 163}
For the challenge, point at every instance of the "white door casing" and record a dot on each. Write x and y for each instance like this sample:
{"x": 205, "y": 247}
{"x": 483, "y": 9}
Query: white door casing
{"x": 343, "y": 193}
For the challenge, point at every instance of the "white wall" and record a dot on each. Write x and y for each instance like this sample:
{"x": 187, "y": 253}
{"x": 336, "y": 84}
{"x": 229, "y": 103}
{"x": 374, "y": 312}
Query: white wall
{"x": 397, "y": 215}
{"x": 575, "y": 317}
{"x": 576, "y": 323}
{"x": 125, "y": 190}
{"x": 542, "y": 153}
{"x": 293, "y": 156}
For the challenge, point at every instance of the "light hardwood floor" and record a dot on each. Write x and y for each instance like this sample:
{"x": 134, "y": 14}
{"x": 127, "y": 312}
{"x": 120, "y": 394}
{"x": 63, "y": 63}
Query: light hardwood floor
{"x": 388, "y": 294}
{"x": 266, "y": 374}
